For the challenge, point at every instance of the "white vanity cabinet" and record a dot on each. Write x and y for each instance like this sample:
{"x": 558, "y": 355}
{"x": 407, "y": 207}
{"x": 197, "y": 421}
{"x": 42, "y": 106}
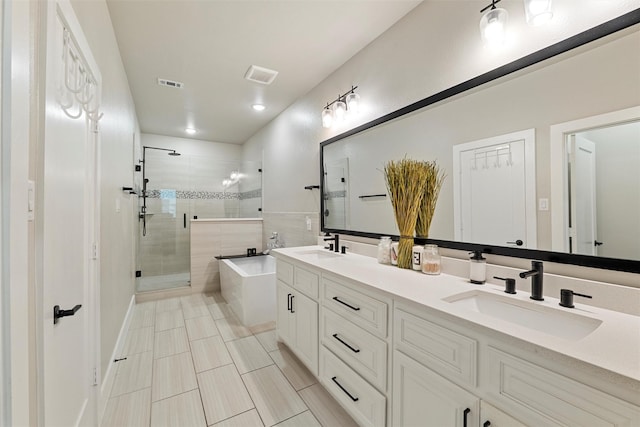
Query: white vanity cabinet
{"x": 297, "y": 313}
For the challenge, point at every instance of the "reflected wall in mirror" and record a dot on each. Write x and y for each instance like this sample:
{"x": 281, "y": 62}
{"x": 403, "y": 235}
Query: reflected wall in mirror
{"x": 595, "y": 78}
{"x": 596, "y": 159}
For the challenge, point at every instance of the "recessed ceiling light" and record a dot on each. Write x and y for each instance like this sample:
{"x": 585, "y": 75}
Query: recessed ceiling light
{"x": 258, "y": 107}
{"x": 190, "y": 131}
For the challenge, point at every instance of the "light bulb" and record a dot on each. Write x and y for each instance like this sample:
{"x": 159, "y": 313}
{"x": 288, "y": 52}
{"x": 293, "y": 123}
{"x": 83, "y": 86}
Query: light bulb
{"x": 538, "y": 12}
{"x": 327, "y": 118}
{"x": 190, "y": 131}
{"x": 353, "y": 103}
{"x": 493, "y": 26}
{"x": 258, "y": 107}
{"x": 226, "y": 183}
{"x": 339, "y": 110}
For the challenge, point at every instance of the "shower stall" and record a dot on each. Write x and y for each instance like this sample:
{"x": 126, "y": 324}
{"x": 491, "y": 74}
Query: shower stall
{"x": 177, "y": 188}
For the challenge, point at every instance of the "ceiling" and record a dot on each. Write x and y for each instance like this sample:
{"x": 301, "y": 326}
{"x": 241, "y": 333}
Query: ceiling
{"x": 209, "y": 45}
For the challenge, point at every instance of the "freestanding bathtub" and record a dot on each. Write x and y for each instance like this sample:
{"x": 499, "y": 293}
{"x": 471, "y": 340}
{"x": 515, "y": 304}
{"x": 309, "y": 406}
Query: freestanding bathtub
{"x": 249, "y": 287}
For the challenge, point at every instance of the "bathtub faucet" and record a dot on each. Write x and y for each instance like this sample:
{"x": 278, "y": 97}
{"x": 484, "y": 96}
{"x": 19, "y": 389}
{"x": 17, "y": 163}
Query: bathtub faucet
{"x": 273, "y": 243}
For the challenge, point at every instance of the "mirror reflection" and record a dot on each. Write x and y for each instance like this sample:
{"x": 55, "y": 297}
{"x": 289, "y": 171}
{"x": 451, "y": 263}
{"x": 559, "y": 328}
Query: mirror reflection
{"x": 497, "y": 190}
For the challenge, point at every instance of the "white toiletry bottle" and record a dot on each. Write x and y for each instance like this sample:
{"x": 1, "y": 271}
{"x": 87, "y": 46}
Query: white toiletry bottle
{"x": 416, "y": 257}
{"x": 477, "y": 268}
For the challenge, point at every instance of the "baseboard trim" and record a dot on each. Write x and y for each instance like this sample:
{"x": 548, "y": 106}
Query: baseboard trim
{"x": 109, "y": 376}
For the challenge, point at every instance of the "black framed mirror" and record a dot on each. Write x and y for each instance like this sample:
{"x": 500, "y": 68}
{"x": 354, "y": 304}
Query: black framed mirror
{"x": 355, "y": 204}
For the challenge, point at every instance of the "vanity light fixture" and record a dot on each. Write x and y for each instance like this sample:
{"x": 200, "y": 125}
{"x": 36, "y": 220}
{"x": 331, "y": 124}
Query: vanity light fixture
{"x": 343, "y": 106}
{"x": 493, "y": 24}
{"x": 538, "y": 12}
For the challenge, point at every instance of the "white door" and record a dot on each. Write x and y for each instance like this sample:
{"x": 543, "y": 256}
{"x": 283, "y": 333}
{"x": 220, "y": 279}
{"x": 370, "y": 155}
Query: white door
{"x": 582, "y": 196}
{"x": 494, "y": 186}
{"x": 69, "y": 221}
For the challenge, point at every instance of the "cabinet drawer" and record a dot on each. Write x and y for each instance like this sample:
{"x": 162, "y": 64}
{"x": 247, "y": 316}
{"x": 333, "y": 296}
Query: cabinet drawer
{"x": 359, "y": 349}
{"x": 542, "y": 397}
{"x": 361, "y": 309}
{"x": 365, "y": 404}
{"x": 284, "y": 271}
{"x": 306, "y": 282}
{"x": 449, "y": 353}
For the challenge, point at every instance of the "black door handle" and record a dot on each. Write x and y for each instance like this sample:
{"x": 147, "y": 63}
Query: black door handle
{"x": 288, "y": 302}
{"x": 517, "y": 243}
{"x": 292, "y": 312}
{"x": 57, "y": 313}
{"x": 596, "y": 243}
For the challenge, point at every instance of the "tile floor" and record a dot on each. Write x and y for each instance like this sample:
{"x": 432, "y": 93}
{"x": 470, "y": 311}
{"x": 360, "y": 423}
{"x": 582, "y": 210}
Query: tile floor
{"x": 189, "y": 362}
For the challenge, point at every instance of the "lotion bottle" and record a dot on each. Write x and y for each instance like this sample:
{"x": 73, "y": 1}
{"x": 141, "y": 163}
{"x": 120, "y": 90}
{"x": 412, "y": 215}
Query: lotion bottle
{"x": 477, "y": 268}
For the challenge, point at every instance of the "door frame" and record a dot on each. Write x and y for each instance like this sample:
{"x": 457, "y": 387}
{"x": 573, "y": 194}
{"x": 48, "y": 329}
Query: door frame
{"x": 47, "y": 12}
{"x": 529, "y": 138}
{"x": 558, "y": 159}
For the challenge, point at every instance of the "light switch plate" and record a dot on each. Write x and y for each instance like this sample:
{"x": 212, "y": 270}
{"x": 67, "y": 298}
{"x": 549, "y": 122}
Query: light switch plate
{"x": 543, "y": 204}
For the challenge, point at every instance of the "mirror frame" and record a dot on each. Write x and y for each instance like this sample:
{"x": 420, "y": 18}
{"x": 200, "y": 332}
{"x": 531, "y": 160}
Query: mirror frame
{"x": 610, "y": 27}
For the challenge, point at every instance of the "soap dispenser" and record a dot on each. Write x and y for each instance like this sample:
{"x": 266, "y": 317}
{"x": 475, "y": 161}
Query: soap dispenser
{"x": 477, "y": 268}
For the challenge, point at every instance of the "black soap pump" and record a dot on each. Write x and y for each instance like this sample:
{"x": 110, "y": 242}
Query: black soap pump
{"x": 477, "y": 268}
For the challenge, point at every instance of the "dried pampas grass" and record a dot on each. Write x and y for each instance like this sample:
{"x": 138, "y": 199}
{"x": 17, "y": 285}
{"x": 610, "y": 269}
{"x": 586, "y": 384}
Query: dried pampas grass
{"x": 435, "y": 178}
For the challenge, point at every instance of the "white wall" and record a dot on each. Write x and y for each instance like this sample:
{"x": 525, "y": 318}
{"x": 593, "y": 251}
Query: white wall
{"x": 617, "y": 194}
{"x": 434, "y": 47}
{"x": 117, "y": 130}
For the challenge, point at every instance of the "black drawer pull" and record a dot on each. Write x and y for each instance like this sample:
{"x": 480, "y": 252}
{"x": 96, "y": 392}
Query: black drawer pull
{"x": 348, "y": 305}
{"x": 288, "y": 302}
{"x": 292, "y": 296}
{"x": 464, "y": 419}
{"x": 355, "y": 350}
{"x": 355, "y": 399}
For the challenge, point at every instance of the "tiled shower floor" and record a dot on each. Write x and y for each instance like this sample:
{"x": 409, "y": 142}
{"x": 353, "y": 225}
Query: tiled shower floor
{"x": 191, "y": 363}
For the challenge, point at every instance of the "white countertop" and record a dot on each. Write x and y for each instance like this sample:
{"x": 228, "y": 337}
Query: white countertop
{"x": 613, "y": 346}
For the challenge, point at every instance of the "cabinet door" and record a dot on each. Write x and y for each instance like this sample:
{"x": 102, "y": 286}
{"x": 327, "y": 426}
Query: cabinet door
{"x": 496, "y": 418}
{"x": 423, "y": 398}
{"x": 285, "y": 319}
{"x": 306, "y": 319}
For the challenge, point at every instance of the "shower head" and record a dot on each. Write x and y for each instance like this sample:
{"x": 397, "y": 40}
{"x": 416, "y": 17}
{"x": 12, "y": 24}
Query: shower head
{"x": 174, "y": 153}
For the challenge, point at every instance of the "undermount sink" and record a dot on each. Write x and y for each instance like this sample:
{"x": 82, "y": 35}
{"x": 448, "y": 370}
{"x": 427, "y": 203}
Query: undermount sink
{"x": 318, "y": 254}
{"x": 556, "y": 322}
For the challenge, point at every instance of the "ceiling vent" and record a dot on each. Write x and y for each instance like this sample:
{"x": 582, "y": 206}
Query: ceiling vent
{"x": 260, "y": 75}
{"x": 170, "y": 83}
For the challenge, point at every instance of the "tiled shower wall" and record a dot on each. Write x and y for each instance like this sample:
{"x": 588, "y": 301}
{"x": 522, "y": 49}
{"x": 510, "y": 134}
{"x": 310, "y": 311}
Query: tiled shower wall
{"x": 291, "y": 227}
{"x": 181, "y": 188}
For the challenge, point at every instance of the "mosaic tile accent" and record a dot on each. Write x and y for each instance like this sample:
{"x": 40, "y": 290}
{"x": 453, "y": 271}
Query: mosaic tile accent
{"x": 191, "y": 195}
{"x": 336, "y": 195}
{"x": 252, "y": 194}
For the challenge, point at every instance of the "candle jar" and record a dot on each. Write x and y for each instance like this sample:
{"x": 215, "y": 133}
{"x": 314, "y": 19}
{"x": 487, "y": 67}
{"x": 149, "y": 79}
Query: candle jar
{"x": 431, "y": 260}
{"x": 384, "y": 250}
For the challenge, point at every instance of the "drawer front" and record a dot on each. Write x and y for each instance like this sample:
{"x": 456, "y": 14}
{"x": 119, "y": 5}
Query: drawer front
{"x": 359, "y": 349}
{"x": 363, "y": 402}
{"x": 284, "y": 271}
{"x": 450, "y": 354}
{"x": 306, "y": 282}
{"x": 542, "y": 397}
{"x": 361, "y": 309}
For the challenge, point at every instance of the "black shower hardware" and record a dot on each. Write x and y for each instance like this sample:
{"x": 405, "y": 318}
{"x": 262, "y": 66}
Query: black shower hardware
{"x": 127, "y": 188}
{"x": 367, "y": 196}
{"x": 145, "y": 181}
{"x": 311, "y": 187}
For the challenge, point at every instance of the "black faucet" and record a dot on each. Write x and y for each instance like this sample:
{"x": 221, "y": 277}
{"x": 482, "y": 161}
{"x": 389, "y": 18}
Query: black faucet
{"x": 536, "y": 274}
{"x": 336, "y": 242}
